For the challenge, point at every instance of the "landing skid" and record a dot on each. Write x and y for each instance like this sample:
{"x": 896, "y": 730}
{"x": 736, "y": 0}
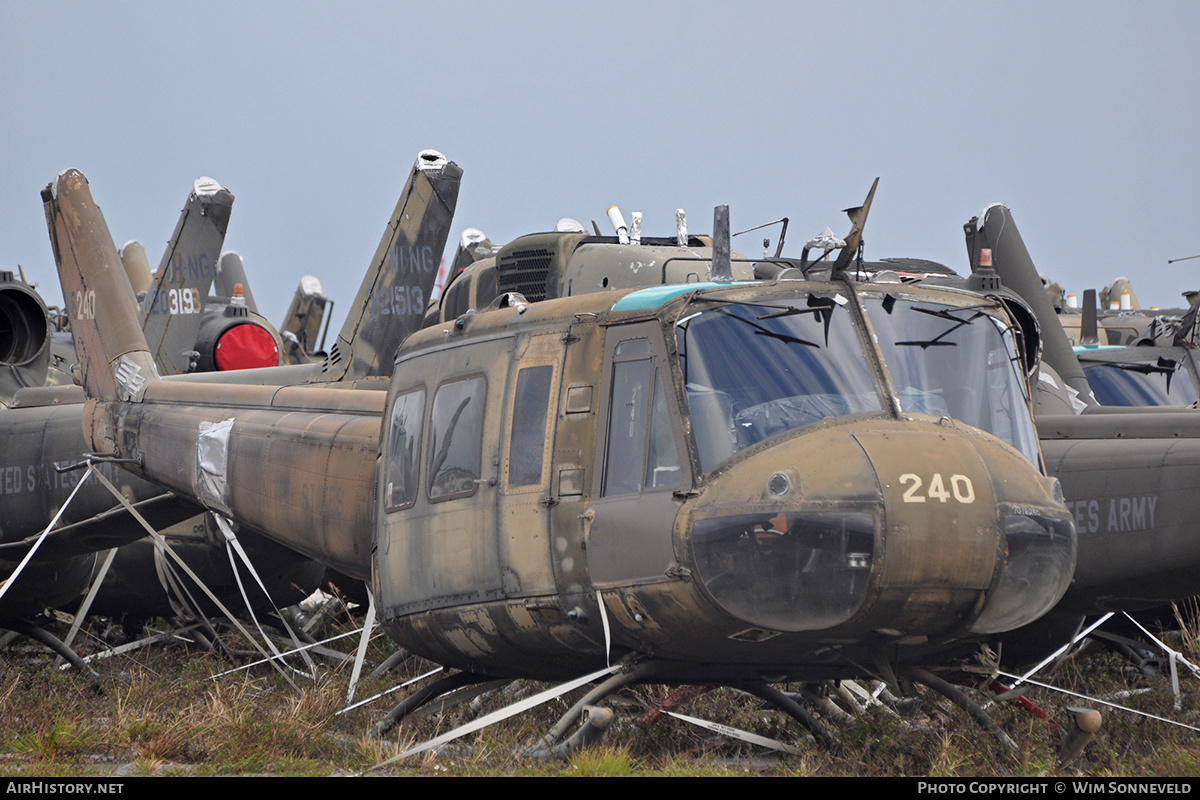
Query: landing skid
{"x": 43, "y": 636}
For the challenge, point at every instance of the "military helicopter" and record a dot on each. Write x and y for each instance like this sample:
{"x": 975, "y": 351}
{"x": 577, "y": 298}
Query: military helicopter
{"x": 415, "y": 233}
{"x": 223, "y": 333}
{"x": 1132, "y": 356}
{"x": 42, "y": 429}
{"x": 719, "y": 481}
{"x": 43, "y": 409}
{"x": 1128, "y": 474}
{"x": 42, "y": 406}
{"x": 1158, "y": 368}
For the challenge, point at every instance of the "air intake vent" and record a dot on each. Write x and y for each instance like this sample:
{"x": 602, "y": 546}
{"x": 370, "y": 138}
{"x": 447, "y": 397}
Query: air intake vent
{"x": 334, "y": 356}
{"x": 524, "y": 272}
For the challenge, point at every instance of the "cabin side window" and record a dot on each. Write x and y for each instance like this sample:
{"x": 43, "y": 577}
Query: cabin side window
{"x": 531, "y": 407}
{"x": 641, "y": 452}
{"x": 404, "y": 450}
{"x": 456, "y": 427}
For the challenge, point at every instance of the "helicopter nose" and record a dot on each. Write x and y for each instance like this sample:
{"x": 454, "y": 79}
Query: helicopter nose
{"x": 943, "y": 548}
{"x": 914, "y": 531}
{"x": 971, "y": 527}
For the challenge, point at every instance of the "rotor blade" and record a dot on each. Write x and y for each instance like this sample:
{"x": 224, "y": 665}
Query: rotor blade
{"x": 112, "y": 528}
{"x": 858, "y": 218}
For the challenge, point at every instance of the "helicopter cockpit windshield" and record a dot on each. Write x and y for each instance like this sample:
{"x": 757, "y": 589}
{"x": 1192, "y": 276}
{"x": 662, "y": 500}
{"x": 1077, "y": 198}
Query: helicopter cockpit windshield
{"x": 1164, "y": 382}
{"x": 754, "y": 370}
{"x": 957, "y": 362}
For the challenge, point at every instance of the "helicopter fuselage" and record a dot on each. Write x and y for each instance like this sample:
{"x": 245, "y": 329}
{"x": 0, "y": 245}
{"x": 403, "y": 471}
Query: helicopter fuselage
{"x": 741, "y": 481}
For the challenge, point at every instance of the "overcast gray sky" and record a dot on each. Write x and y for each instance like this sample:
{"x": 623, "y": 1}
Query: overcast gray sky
{"x": 1081, "y": 117}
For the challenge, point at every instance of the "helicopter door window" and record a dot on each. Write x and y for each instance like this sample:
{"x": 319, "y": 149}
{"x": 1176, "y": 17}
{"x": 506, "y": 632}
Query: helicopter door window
{"x": 456, "y": 446}
{"x": 641, "y": 452}
{"x": 531, "y": 406}
{"x": 662, "y": 467}
{"x": 627, "y": 424}
{"x": 404, "y": 449}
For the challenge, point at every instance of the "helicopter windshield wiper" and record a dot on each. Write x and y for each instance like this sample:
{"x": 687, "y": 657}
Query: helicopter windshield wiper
{"x": 1164, "y": 366}
{"x": 948, "y": 313}
{"x": 819, "y": 305}
{"x": 790, "y": 311}
{"x": 945, "y": 313}
{"x": 785, "y": 338}
{"x": 759, "y": 330}
{"x": 816, "y": 305}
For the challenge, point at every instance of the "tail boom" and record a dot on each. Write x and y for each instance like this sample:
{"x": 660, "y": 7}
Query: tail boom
{"x": 296, "y": 463}
{"x": 113, "y": 354}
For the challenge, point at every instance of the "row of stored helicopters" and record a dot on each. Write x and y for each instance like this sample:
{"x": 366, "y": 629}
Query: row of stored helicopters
{"x": 42, "y": 432}
{"x": 1134, "y": 356}
{"x": 192, "y": 333}
{"x": 654, "y": 452}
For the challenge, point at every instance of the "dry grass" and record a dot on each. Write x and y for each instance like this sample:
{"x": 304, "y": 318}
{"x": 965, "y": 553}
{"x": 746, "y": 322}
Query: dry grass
{"x": 163, "y": 714}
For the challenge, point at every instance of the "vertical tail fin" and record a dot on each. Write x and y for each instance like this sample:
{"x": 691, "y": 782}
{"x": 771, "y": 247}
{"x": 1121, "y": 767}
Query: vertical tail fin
{"x": 1013, "y": 263}
{"x": 172, "y": 311}
{"x": 392, "y": 298}
{"x": 301, "y": 329}
{"x": 230, "y": 272}
{"x": 113, "y": 354}
{"x": 137, "y": 266}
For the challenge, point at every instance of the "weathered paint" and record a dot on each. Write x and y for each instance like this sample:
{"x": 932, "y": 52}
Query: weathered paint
{"x": 501, "y": 579}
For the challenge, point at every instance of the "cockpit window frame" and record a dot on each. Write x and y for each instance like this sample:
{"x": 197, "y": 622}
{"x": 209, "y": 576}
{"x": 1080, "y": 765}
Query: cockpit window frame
{"x": 980, "y": 305}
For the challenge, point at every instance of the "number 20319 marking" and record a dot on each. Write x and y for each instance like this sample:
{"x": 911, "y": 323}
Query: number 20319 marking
{"x": 961, "y": 488}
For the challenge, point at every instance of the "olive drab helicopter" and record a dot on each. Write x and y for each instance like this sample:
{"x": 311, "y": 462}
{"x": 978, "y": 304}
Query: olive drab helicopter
{"x": 1128, "y": 474}
{"x": 1132, "y": 356}
{"x": 41, "y": 424}
{"x": 1158, "y": 367}
{"x": 201, "y": 333}
{"x": 40, "y": 417}
{"x": 713, "y": 477}
{"x": 42, "y": 407}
